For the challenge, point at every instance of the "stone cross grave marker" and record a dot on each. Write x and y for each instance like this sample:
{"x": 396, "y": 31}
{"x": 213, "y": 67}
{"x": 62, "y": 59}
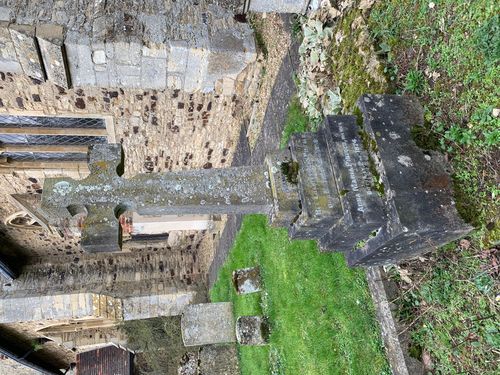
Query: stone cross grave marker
{"x": 362, "y": 187}
{"x": 104, "y": 194}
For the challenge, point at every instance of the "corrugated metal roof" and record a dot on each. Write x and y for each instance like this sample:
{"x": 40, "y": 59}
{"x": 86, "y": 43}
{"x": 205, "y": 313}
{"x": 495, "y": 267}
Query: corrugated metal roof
{"x": 109, "y": 360}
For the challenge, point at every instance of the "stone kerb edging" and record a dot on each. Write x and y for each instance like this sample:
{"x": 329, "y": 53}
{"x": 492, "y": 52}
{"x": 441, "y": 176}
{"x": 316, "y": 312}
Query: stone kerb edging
{"x": 400, "y": 363}
{"x": 192, "y": 48}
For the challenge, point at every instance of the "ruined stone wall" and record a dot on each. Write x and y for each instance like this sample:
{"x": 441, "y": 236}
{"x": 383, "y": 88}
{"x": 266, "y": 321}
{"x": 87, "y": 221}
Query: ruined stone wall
{"x": 159, "y": 130}
{"x": 184, "y": 44}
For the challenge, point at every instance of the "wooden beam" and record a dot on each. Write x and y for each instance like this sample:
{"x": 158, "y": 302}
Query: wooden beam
{"x": 44, "y": 148}
{"x": 55, "y": 131}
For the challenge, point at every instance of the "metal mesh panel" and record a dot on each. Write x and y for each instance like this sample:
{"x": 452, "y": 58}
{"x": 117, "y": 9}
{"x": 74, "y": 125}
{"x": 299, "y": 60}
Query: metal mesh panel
{"x": 51, "y": 122}
{"x": 50, "y": 139}
{"x": 41, "y": 156}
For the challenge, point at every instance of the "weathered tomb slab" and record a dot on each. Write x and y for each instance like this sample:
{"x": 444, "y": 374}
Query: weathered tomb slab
{"x": 362, "y": 206}
{"x": 247, "y": 280}
{"x": 105, "y": 194}
{"x": 23, "y": 38}
{"x": 51, "y": 42}
{"x": 319, "y": 198}
{"x": 252, "y": 330}
{"x": 208, "y": 323}
{"x": 421, "y": 213}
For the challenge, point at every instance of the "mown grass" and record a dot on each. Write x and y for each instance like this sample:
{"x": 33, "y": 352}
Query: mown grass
{"x": 320, "y": 310}
{"x": 447, "y": 53}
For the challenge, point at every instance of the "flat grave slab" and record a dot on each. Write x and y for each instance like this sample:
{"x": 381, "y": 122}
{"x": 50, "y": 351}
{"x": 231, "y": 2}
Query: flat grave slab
{"x": 208, "y": 323}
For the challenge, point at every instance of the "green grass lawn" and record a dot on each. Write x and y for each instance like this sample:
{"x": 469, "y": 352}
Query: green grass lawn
{"x": 320, "y": 310}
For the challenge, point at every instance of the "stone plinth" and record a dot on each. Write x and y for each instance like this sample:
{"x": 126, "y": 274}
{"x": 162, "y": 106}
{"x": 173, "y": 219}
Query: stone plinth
{"x": 319, "y": 198}
{"x": 362, "y": 205}
{"x": 417, "y": 195}
{"x": 278, "y": 6}
{"x": 208, "y": 323}
{"x": 252, "y": 330}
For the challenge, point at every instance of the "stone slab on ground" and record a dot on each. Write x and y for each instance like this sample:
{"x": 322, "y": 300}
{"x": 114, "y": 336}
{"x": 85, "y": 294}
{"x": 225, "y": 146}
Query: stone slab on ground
{"x": 247, "y": 280}
{"x": 278, "y": 6}
{"x": 208, "y": 323}
{"x": 219, "y": 360}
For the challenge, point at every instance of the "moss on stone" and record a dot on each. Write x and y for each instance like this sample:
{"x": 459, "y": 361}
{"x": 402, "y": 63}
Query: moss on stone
{"x": 291, "y": 171}
{"x": 351, "y": 58}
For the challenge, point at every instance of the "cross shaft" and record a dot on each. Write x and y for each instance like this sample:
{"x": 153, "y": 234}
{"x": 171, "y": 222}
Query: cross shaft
{"x": 105, "y": 194}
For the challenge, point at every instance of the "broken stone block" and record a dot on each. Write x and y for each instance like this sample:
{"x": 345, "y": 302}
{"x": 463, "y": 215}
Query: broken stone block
{"x": 51, "y": 40}
{"x": 23, "y": 38}
{"x": 247, "y": 280}
{"x": 252, "y": 330}
{"x": 208, "y": 323}
{"x": 8, "y": 58}
{"x": 219, "y": 360}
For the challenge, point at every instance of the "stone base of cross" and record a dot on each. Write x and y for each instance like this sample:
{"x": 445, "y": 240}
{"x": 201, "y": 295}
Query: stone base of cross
{"x": 365, "y": 189}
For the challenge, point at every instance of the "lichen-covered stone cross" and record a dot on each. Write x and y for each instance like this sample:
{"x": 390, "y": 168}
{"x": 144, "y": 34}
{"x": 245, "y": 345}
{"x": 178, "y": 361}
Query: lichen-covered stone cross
{"x": 105, "y": 194}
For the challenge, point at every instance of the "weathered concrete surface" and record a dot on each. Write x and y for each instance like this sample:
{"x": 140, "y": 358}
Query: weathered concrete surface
{"x": 208, "y": 323}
